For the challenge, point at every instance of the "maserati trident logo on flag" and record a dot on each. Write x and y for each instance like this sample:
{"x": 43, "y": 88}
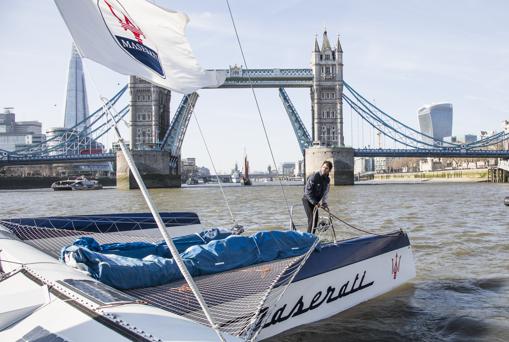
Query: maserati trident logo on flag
{"x": 139, "y": 38}
{"x": 129, "y": 36}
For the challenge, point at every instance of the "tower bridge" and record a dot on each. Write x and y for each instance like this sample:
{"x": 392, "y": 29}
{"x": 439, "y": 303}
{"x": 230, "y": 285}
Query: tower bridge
{"x": 237, "y": 77}
{"x": 153, "y": 133}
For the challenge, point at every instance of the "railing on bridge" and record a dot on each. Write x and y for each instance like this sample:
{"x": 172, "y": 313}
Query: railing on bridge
{"x": 431, "y": 152}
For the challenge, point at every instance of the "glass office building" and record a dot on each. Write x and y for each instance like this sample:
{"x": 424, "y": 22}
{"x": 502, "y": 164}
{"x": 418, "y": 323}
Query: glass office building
{"x": 435, "y": 120}
{"x": 76, "y": 103}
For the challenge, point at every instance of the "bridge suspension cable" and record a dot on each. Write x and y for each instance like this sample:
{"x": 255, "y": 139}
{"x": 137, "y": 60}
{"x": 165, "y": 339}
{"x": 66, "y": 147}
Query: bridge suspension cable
{"x": 406, "y": 135}
{"x": 72, "y": 139}
{"x": 382, "y": 116}
{"x": 379, "y": 125}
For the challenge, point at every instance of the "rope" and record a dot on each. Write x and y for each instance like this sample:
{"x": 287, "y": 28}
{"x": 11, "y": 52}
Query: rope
{"x": 214, "y": 167}
{"x": 354, "y": 227}
{"x": 29, "y": 263}
{"x": 259, "y": 111}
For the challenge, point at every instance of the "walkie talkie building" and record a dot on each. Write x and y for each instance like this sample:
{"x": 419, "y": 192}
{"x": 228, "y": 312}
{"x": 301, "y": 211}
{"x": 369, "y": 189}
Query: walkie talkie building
{"x": 435, "y": 120}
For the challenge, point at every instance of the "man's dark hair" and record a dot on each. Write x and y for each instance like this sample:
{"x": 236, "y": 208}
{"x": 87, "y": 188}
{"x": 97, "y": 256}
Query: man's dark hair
{"x": 329, "y": 164}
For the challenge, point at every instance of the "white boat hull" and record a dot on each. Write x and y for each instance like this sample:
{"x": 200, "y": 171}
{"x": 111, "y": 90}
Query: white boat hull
{"x": 337, "y": 277}
{"x": 327, "y": 294}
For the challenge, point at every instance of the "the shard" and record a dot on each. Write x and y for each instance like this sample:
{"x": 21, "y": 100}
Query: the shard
{"x": 76, "y": 103}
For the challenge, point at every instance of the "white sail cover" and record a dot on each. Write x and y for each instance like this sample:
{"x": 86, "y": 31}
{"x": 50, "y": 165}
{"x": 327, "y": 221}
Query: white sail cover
{"x": 136, "y": 37}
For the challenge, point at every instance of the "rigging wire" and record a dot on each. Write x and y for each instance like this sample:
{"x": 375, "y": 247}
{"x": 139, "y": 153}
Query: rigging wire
{"x": 260, "y": 113}
{"x": 155, "y": 213}
{"x": 235, "y": 224}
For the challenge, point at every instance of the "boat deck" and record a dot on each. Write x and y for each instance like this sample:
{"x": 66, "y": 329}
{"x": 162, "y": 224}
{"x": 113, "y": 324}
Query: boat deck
{"x": 234, "y": 297}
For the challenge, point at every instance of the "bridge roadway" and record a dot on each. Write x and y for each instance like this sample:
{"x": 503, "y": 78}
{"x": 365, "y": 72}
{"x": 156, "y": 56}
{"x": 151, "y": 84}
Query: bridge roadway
{"x": 58, "y": 159}
{"x": 362, "y": 152}
{"x": 267, "y": 78}
{"x": 430, "y": 152}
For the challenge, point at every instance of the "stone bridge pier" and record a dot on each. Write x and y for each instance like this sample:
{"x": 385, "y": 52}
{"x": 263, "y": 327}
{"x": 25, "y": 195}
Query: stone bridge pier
{"x": 341, "y": 158}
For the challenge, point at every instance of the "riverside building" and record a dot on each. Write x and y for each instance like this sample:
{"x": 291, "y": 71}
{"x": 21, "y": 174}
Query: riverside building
{"x": 18, "y": 135}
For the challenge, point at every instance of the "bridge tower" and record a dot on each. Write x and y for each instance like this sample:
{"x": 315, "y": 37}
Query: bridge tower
{"x": 150, "y": 113}
{"x": 326, "y": 93}
{"x": 327, "y": 114}
{"x": 150, "y": 119}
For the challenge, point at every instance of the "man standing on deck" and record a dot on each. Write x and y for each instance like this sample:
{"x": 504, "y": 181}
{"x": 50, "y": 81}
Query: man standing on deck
{"x": 316, "y": 191}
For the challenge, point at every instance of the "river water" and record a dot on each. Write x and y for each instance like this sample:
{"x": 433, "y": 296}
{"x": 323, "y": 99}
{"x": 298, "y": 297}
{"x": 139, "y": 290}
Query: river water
{"x": 459, "y": 233}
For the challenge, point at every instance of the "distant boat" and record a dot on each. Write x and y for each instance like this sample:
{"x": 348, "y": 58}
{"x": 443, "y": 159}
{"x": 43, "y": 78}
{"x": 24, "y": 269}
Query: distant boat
{"x": 192, "y": 181}
{"x": 235, "y": 176}
{"x": 81, "y": 183}
{"x": 244, "y": 179}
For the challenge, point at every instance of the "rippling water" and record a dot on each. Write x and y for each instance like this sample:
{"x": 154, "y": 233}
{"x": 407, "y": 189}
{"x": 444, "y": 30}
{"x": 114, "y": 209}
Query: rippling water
{"x": 459, "y": 233}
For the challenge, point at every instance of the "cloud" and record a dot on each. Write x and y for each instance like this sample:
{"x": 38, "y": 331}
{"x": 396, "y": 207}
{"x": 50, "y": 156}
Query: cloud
{"x": 212, "y": 23}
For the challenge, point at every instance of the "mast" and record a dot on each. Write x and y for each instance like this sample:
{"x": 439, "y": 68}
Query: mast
{"x": 246, "y": 167}
{"x": 245, "y": 177}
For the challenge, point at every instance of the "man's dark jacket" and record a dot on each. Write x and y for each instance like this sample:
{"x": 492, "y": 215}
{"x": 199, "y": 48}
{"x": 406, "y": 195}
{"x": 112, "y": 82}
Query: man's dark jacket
{"x": 317, "y": 188}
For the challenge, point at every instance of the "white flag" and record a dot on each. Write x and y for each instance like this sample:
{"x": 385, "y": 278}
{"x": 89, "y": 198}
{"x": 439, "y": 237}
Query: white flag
{"x": 136, "y": 37}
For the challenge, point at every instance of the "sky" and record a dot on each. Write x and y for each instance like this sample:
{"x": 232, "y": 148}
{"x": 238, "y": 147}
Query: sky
{"x": 400, "y": 54}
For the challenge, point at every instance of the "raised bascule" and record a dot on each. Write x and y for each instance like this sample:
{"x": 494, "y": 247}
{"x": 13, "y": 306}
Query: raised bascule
{"x": 156, "y": 138}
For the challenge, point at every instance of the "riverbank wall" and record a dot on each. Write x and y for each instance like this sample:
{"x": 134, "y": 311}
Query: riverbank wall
{"x": 16, "y": 182}
{"x": 468, "y": 175}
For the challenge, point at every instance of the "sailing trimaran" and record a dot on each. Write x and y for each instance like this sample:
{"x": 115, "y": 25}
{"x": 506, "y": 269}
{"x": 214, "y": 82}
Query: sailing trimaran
{"x": 286, "y": 278}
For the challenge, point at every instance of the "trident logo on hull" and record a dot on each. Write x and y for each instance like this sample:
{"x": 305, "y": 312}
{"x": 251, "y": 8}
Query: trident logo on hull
{"x": 396, "y": 262}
